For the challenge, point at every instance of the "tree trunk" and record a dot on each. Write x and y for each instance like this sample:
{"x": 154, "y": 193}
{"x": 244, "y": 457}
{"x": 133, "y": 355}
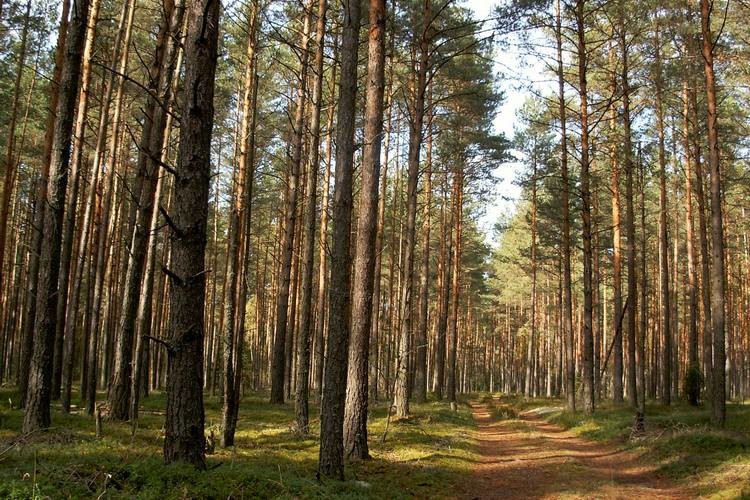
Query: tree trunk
{"x": 588, "y": 341}
{"x": 617, "y": 371}
{"x": 570, "y": 373}
{"x": 416, "y": 118}
{"x": 27, "y": 335}
{"x": 71, "y": 201}
{"x": 331, "y": 458}
{"x": 184, "y": 440}
{"x": 444, "y": 274}
{"x": 238, "y": 223}
{"x": 718, "y": 406}
{"x": 420, "y": 355}
{"x": 530, "y": 348}
{"x": 150, "y": 151}
{"x": 10, "y": 153}
{"x": 452, "y": 337}
{"x": 322, "y": 292}
{"x": 629, "y": 217}
{"x": 308, "y": 244}
{"x": 121, "y": 56}
{"x": 692, "y": 380}
{"x": 37, "y": 414}
{"x": 666, "y": 371}
{"x": 278, "y": 364}
{"x": 355, "y": 412}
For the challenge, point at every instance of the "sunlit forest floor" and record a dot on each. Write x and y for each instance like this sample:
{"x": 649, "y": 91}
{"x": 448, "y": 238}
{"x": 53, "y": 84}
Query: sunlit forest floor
{"x": 436, "y": 453}
{"x": 429, "y": 455}
{"x": 678, "y": 447}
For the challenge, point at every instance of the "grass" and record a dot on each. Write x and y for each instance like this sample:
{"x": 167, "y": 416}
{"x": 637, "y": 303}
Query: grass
{"x": 678, "y": 438}
{"x": 428, "y": 455}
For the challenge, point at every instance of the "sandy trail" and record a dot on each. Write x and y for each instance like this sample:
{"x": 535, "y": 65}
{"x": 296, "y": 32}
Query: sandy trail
{"x": 531, "y": 458}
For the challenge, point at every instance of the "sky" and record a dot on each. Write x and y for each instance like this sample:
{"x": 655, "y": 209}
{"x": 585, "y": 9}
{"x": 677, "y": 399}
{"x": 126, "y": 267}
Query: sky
{"x": 506, "y": 192}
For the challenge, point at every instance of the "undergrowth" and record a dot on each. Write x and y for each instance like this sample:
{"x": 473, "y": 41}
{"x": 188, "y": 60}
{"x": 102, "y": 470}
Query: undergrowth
{"x": 428, "y": 455}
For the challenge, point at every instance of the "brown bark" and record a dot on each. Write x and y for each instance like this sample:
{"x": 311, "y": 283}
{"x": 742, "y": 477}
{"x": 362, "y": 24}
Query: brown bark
{"x": 149, "y": 156}
{"x": 37, "y": 414}
{"x": 570, "y": 375}
{"x": 143, "y": 317}
{"x": 444, "y": 275}
{"x": 238, "y": 220}
{"x": 420, "y": 349}
{"x": 455, "y": 297}
{"x": 308, "y": 244}
{"x": 331, "y": 458}
{"x": 278, "y": 363}
{"x": 29, "y": 313}
{"x": 184, "y": 440}
{"x": 632, "y": 284}
{"x": 718, "y": 279}
{"x": 531, "y": 353}
{"x": 692, "y": 267}
{"x": 322, "y": 292}
{"x": 588, "y": 344}
{"x": 666, "y": 336}
{"x": 617, "y": 372}
{"x": 71, "y": 201}
{"x": 78, "y": 267}
{"x": 416, "y": 119}
{"x": 10, "y": 164}
{"x": 355, "y": 411}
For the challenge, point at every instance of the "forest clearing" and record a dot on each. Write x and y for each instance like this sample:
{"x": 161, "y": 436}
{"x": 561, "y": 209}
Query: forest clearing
{"x": 374, "y": 248}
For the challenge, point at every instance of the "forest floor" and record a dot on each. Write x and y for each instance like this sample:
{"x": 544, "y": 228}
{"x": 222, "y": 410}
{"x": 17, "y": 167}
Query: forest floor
{"x": 429, "y": 455}
{"x": 528, "y": 457}
{"x": 535, "y": 449}
{"x": 493, "y": 447}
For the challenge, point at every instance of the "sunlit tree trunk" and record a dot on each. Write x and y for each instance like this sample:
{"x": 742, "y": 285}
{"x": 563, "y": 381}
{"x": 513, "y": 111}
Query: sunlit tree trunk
{"x": 40, "y": 207}
{"x": 416, "y": 119}
{"x": 718, "y": 279}
{"x": 355, "y": 414}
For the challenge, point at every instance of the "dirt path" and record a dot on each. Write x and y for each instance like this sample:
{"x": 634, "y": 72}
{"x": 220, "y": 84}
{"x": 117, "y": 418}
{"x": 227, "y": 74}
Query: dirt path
{"x": 531, "y": 458}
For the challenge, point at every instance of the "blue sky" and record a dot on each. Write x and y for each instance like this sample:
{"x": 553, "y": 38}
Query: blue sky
{"x": 505, "y": 191}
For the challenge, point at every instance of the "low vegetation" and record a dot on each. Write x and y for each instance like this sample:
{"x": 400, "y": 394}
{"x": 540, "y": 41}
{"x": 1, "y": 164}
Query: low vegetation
{"x": 427, "y": 455}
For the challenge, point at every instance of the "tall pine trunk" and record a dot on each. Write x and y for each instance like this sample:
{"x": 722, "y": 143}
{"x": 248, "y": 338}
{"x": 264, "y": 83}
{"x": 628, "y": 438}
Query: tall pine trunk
{"x": 355, "y": 414}
{"x": 184, "y": 440}
{"x": 279, "y": 361}
{"x": 588, "y": 341}
{"x": 37, "y": 414}
{"x": 718, "y": 279}
{"x": 331, "y": 456}
{"x": 416, "y": 119}
{"x": 570, "y": 373}
{"x": 306, "y": 326}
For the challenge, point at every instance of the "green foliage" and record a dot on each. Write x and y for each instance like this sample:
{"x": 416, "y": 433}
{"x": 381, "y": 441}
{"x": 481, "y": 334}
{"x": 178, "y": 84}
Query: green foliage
{"x": 430, "y": 452}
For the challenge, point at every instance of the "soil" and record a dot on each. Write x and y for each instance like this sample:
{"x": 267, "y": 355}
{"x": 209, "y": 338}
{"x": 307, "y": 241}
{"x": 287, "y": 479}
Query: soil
{"x": 528, "y": 457}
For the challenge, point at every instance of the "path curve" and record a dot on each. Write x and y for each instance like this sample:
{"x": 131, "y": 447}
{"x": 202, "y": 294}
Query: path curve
{"x": 531, "y": 458}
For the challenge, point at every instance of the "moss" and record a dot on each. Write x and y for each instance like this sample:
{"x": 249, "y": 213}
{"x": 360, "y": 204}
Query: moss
{"x": 433, "y": 451}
